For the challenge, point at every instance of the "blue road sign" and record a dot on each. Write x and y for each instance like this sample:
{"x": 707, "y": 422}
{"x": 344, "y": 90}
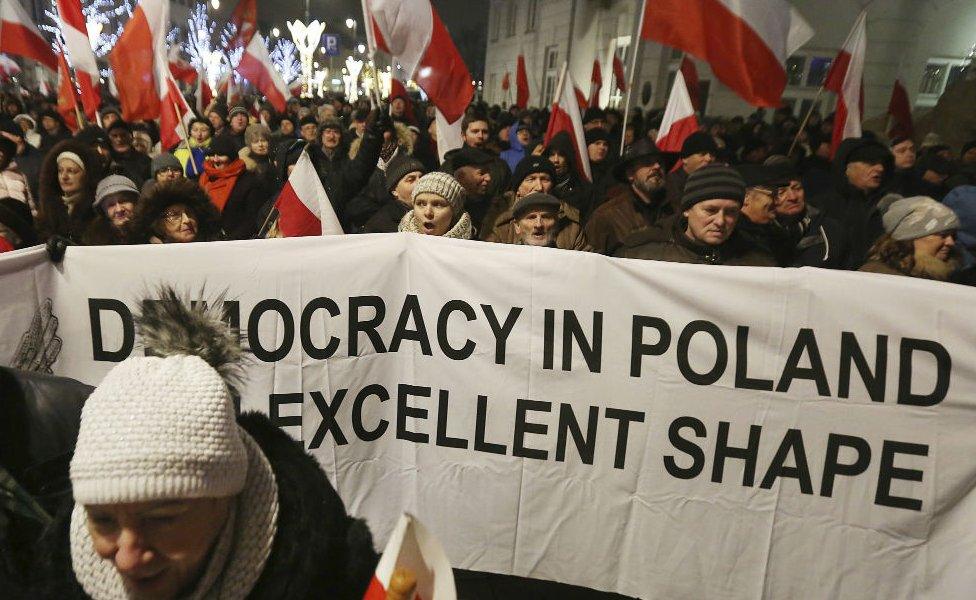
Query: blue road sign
{"x": 330, "y": 42}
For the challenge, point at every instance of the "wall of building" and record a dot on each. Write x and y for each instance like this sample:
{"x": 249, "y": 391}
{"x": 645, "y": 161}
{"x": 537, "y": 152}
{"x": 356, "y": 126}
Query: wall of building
{"x": 903, "y": 36}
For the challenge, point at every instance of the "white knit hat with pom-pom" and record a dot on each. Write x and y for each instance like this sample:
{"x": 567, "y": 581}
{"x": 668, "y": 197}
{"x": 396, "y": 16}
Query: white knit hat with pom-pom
{"x": 158, "y": 429}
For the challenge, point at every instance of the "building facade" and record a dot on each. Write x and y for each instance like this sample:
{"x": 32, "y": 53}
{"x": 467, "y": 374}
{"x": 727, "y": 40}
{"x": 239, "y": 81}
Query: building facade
{"x": 926, "y": 43}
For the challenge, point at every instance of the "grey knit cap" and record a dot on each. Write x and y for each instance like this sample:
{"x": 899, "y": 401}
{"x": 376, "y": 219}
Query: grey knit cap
{"x": 713, "y": 182}
{"x": 165, "y": 160}
{"x": 114, "y": 184}
{"x": 918, "y": 216}
{"x": 400, "y": 167}
{"x": 442, "y": 185}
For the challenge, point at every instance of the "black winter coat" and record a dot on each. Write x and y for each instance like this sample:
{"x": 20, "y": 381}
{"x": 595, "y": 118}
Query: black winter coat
{"x": 134, "y": 165}
{"x": 344, "y": 177}
{"x": 241, "y": 214}
{"x": 319, "y": 552}
{"x": 387, "y": 218}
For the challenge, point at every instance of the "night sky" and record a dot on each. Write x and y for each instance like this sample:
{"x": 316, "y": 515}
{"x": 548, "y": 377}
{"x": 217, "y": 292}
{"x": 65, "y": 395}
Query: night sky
{"x": 467, "y": 20}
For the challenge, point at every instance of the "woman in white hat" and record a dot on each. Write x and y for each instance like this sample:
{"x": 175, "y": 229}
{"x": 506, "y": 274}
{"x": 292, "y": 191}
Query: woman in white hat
{"x": 438, "y": 208}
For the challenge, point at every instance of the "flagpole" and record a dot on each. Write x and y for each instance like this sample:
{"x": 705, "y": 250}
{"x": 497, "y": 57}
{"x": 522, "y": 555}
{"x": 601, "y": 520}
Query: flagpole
{"x": 186, "y": 135}
{"x": 635, "y": 44}
{"x": 803, "y": 124}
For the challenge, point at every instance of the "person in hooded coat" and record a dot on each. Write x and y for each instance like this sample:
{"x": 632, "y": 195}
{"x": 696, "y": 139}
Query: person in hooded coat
{"x": 861, "y": 169}
{"x": 53, "y": 130}
{"x": 65, "y": 204}
{"x": 175, "y": 212}
{"x": 568, "y": 186}
{"x": 257, "y": 519}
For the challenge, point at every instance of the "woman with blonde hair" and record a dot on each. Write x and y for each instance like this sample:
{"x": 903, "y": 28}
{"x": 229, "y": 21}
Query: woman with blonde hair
{"x": 919, "y": 240}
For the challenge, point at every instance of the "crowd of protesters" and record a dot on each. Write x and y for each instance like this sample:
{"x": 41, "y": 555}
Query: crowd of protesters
{"x": 742, "y": 191}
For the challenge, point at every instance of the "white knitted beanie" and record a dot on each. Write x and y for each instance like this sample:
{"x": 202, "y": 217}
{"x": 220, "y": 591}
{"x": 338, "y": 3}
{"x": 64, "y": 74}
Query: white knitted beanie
{"x": 444, "y": 186}
{"x": 157, "y": 429}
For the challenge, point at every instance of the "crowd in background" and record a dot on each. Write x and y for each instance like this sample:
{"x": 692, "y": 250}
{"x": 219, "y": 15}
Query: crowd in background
{"x": 755, "y": 190}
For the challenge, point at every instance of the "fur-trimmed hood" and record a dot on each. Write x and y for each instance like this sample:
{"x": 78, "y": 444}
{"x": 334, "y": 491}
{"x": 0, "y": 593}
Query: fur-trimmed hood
{"x": 151, "y": 207}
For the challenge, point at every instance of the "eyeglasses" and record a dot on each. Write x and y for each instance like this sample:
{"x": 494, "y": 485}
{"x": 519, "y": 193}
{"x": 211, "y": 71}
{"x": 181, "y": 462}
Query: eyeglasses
{"x": 172, "y": 170}
{"x": 175, "y": 216}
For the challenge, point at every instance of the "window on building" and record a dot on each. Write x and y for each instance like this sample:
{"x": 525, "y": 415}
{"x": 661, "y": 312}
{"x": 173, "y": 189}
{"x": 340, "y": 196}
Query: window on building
{"x": 512, "y": 18}
{"x": 531, "y": 11}
{"x": 817, "y": 72}
{"x": 552, "y": 74}
{"x": 938, "y": 75}
{"x": 495, "y": 21}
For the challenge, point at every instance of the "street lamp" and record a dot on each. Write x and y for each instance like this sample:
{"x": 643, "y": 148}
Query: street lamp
{"x": 215, "y": 4}
{"x": 351, "y": 23}
{"x": 275, "y": 31}
{"x": 360, "y": 48}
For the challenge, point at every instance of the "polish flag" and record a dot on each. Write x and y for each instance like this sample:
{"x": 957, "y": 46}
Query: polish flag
{"x": 204, "y": 95}
{"x": 20, "y": 37}
{"x": 398, "y": 90}
{"x": 181, "y": 70}
{"x": 245, "y": 22}
{"x": 618, "y": 73}
{"x": 580, "y": 97}
{"x": 303, "y": 206}
{"x": 8, "y": 66}
{"x": 679, "y": 119}
{"x": 413, "y": 33}
{"x": 900, "y": 112}
{"x": 521, "y": 83}
{"x": 256, "y": 67}
{"x": 75, "y": 34}
{"x": 139, "y": 61}
{"x": 416, "y": 551}
{"x": 746, "y": 42}
{"x": 596, "y": 83}
{"x": 845, "y": 79}
{"x": 567, "y": 116}
{"x": 690, "y": 73}
{"x": 67, "y": 96}
{"x": 175, "y": 114}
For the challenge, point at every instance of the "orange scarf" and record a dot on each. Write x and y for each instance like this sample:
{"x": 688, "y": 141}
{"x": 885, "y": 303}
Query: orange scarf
{"x": 218, "y": 183}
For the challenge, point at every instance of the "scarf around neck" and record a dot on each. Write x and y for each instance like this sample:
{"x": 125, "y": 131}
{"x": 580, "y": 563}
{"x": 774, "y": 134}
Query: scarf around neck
{"x": 461, "y": 230}
{"x": 219, "y": 182}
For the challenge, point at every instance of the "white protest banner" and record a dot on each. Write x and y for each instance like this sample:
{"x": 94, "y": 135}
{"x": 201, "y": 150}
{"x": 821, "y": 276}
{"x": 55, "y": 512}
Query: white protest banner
{"x": 647, "y": 428}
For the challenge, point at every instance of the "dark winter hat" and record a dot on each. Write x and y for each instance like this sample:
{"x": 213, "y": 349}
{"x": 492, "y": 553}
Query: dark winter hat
{"x": 869, "y": 153}
{"x": 223, "y": 146}
{"x": 400, "y": 167}
{"x": 897, "y": 140}
{"x": 597, "y": 134}
{"x": 16, "y": 215}
{"x": 220, "y": 109}
{"x": 119, "y": 124}
{"x": 967, "y": 147}
{"x": 935, "y": 163}
{"x": 594, "y": 113}
{"x": 465, "y": 156}
{"x": 698, "y": 142}
{"x": 713, "y": 182}
{"x": 93, "y": 135}
{"x": 534, "y": 200}
{"x": 308, "y": 120}
{"x": 237, "y": 110}
{"x": 7, "y": 145}
{"x": 332, "y": 124}
{"x": 115, "y": 184}
{"x": 643, "y": 151}
{"x": 757, "y": 175}
{"x": 782, "y": 173}
{"x": 532, "y": 164}
{"x": 165, "y": 160}
{"x": 110, "y": 110}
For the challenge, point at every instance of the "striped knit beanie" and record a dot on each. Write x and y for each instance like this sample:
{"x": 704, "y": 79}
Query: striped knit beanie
{"x": 713, "y": 182}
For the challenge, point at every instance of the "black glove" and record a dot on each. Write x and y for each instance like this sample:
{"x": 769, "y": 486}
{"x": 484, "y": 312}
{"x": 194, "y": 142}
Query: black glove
{"x": 378, "y": 121}
{"x": 56, "y": 245}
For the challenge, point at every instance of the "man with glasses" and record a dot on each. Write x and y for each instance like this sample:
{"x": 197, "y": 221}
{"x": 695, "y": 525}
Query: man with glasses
{"x": 165, "y": 167}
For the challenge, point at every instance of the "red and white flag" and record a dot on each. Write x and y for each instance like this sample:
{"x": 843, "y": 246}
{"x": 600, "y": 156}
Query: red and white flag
{"x": 521, "y": 83}
{"x": 746, "y": 42}
{"x": 75, "y": 34}
{"x": 68, "y": 106}
{"x": 679, "y": 119}
{"x": 690, "y": 73}
{"x": 204, "y": 94}
{"x": 414, "y": 548}
{"x": 412, "y": 32}
{"x": 245, "y": 21}
{"x": 596, "y": 83}
{"x": 566, "y": 115}
{"x": 256, "y": 67}
{"x": 618, "y": 73}
{"x": 846, "y": 79}
{"x": 139, "y": 61}
{"x": 398, "y": 90}
{"x": 175, "y": 114}
{"x": 900, "y": 113}
{"x": 303, "y": 206}
{"x": 182, "y": 71}
{"x": 8, "y": 66}
{"x": 20, "y": 37}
